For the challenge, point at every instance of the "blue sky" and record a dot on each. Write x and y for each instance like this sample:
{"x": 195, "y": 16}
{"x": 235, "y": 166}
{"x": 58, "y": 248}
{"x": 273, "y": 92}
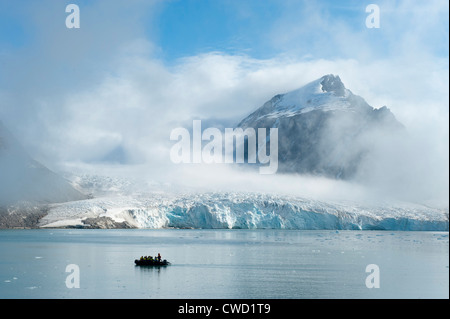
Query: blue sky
{"x": 261, "y": 29}
{"x": 191, "y": 27}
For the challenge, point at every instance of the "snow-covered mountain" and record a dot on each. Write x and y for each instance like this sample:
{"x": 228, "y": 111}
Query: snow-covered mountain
{"x": 24, "y": 179}
{"x": 324, "y": 129}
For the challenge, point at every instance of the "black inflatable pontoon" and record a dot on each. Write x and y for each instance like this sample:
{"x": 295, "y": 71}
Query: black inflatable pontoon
{"x": 147, "y": 262}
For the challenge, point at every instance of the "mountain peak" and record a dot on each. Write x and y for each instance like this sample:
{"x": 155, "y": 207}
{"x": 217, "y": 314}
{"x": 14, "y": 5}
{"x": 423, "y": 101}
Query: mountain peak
{"x": 332, "y": 84}
{"x": 323, "y": 92}
{"x": 327, "y": 93}
{"x": 324, "y": 128}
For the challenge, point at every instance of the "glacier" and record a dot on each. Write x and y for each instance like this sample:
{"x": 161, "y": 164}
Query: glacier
{"x": 239, "y": 210}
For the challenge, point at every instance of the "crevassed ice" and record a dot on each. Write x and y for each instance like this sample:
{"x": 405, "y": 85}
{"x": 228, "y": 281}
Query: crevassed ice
{"x": 249, "y": 211}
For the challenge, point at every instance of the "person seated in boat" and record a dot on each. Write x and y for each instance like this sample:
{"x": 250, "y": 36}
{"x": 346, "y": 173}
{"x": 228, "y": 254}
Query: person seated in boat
{"x": 142, "y": 258}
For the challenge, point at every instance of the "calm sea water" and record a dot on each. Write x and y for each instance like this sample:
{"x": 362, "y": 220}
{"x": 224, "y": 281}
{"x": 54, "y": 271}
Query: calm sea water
{"x": 223, "y": 264}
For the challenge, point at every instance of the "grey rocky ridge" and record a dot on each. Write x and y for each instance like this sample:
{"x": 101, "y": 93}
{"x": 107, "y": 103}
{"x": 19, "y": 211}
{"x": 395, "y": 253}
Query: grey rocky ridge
{"x": 324, "y": 129}
{"x": 27, "y": 186}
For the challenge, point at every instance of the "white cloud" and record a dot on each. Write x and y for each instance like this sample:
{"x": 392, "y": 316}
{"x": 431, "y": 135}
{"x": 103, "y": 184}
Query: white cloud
{"x": 133, "y": 100}
{"x": 138, "y": 106}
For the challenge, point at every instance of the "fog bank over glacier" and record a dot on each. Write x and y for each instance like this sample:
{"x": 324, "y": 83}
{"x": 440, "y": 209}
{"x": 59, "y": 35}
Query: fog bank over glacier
{"x": 302, "y": 203}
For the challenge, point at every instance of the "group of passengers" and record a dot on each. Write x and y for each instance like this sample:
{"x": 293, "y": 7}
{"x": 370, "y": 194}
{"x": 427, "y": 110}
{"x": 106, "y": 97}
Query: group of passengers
{"x": 151, "y": 259}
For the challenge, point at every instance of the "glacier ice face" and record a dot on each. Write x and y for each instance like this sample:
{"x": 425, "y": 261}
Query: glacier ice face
{"x": 229, "y": 210}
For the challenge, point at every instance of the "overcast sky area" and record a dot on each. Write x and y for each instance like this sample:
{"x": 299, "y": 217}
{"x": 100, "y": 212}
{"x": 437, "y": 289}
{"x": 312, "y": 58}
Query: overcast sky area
{"x": 115, "y": 88}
